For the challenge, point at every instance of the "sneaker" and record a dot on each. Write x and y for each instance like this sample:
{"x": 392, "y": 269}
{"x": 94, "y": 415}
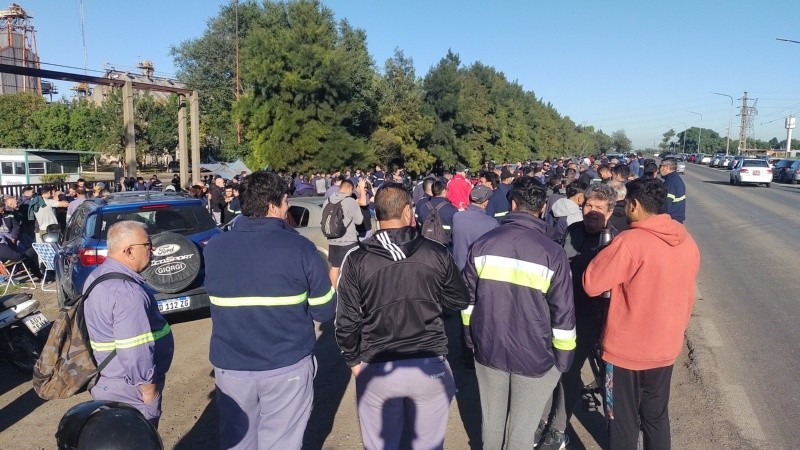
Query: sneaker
{"x": 537, "y": 436}
{"x": 554, "y": 440}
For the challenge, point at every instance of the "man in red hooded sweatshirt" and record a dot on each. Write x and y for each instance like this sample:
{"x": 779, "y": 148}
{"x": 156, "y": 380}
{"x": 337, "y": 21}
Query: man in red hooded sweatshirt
{"x": 458, "y": 188}
{"x": 651, "y": 271}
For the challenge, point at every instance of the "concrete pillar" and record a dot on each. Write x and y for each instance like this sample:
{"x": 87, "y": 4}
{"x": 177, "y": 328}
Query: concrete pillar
{"x": 183, "y": 149}
{"x": 130, "y": 130}
{"x": 194, "y": 114}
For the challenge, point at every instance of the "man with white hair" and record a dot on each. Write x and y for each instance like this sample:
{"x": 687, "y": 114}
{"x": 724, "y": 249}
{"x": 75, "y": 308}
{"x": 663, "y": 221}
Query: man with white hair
{"x": 124, "y": 324}
{"x": 618, "y": 218}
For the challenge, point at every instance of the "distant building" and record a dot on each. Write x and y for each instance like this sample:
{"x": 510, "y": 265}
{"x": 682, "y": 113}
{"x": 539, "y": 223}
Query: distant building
{"x": 98, "y": 94}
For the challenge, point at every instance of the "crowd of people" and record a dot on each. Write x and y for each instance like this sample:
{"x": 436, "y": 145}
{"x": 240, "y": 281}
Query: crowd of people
{"x": 521, "y": 251}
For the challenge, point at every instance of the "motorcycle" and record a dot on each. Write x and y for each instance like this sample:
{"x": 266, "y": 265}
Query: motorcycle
{"x": 23, "y": 331}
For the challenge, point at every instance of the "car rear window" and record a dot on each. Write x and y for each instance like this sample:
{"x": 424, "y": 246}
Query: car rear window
{"x": 182, "y": 219}
{"x": 754, "y": 163}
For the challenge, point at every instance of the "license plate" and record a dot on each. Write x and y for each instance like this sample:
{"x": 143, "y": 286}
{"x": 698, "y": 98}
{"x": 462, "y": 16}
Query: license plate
{"x": 35, "y": 322}
{"x": 174, "y": 304}
{"x": 756, "y": 172}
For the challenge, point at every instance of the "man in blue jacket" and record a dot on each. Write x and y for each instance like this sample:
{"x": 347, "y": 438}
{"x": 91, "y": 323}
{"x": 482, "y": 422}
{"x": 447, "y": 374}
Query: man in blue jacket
{"x": 675, "y": 205}
{"x": 521, "y": 319}
{"x": 262, "y": 316}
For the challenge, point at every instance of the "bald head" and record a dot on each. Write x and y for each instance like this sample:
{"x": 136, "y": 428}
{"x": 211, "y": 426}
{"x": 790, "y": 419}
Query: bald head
{"x": 129, "y": 244}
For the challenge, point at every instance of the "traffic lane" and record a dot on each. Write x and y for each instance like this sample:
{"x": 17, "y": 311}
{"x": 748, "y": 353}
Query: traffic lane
{"x": 746, "y": 238}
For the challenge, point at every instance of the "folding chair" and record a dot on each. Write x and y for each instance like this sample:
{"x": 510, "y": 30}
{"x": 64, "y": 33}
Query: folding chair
{"x": 47, "y": 256}
{"x": 17, "y": 269}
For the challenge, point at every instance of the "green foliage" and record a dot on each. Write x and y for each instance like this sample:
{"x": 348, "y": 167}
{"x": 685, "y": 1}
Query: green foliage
{"x": 52, "y": 177}
{"x": 17, "y": 119}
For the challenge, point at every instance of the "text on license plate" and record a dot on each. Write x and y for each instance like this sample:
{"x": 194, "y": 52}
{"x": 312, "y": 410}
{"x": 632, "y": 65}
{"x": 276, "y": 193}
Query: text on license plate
{"x": 174, "y": 304}
{"x": 756, "y": 172}
{"x": 35, "y": 322}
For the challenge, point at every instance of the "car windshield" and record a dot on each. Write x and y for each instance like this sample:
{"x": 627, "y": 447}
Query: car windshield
{"x": 754, "y": 163}
{"x": 182, "y": 219}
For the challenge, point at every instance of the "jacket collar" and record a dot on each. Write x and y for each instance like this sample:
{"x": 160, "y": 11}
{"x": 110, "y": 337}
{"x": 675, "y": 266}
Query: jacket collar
{"x": 525, "y": 220}
{"x": 244, "y": 223}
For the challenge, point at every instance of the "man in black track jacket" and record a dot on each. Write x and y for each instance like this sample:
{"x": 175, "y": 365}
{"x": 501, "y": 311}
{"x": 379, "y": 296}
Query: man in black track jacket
{"x": 392, "y": 290}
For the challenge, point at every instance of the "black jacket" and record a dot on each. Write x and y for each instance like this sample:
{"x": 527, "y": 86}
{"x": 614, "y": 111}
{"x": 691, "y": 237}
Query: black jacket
{"x": 391, "y": 292}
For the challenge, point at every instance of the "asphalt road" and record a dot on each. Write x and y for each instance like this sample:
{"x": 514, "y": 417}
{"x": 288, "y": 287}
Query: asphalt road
{"x": 749, "y": 238}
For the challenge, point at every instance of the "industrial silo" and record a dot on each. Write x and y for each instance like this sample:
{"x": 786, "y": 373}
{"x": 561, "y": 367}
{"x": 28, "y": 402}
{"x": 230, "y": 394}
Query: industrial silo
{"x": 18, "y": 47}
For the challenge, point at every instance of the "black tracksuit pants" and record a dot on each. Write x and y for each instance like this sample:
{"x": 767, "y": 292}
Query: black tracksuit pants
{"x": 634, "y": 397}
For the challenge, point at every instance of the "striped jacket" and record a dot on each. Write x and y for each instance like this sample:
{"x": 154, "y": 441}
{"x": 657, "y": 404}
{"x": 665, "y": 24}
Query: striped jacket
{"x": 675, "y": 205}
{"x": 521, "y": 317}
{"x": 123, "y": 315}
{"x": 267, "y": 284}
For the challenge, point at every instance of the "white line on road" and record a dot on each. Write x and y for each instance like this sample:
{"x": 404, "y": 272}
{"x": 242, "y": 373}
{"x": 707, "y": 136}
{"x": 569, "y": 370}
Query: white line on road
{"x": 743, "y": 413}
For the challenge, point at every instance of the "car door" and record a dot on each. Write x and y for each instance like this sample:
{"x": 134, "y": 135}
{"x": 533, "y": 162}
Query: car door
{"x": 68, "y": 260}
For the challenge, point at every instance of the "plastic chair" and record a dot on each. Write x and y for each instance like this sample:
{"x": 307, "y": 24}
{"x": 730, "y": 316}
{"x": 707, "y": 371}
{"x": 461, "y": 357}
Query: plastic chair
{"x": 17, "y": 268}
{"x": 47, "y": 256}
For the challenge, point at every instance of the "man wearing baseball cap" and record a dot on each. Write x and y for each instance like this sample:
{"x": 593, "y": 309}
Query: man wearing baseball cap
{"x": 472, "y": 223}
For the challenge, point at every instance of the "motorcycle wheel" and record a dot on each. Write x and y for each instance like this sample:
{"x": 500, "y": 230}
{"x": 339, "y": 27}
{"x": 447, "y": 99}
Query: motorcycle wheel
{"x": 25, "y": 350}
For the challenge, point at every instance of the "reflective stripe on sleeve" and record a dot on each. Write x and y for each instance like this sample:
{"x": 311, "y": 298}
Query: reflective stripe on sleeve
{"x": 514, "y": 271}
{"x": 316, "y": 301}
{"x": 501, "y": 214}
{"x": 446, "y": 227}
{"x": 141, "y": 339}
{"x": 564, "y": 339}
{"x": 466, "y": 315}
{"x": 258, "y": 301}
{"x": 676, "y": 199}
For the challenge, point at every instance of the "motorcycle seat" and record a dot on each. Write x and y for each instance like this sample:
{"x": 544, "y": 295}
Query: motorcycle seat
{"x": 11, "y": 300}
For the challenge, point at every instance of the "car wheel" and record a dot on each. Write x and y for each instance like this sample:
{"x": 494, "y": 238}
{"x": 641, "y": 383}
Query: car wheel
{"x": 175, "y": 265}
{"x": 766, "y": 185}
{"x": 25, "y": 350}
{"x": 731, "y": 180}
{"x": 794, "y": 181}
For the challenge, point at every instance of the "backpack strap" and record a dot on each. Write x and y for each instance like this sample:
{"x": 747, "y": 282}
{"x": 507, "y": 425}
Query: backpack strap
{"x": 79, "y": 303}
{"x": 440, "y": 206}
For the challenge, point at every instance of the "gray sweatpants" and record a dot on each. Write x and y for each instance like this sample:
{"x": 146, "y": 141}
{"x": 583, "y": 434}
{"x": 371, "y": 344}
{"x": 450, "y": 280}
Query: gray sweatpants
{"x": 412, "y": 395}
{"x": 511, "y": 406}
{"x": 266, "y": 409}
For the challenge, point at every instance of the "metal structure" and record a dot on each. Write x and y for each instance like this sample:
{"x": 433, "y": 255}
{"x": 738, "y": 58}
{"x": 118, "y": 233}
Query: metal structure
{"x": 18, "y": 48}
{"x": 127, "y": 98}
{"x": 747, "y": 114}
{"x": 790, "y": 123}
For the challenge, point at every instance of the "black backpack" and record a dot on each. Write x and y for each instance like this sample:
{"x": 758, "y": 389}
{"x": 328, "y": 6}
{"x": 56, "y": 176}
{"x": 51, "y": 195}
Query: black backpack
{"x": 332, "y": 222}
{"x": 66, "y": 365}
{"x": 432, "y": 226}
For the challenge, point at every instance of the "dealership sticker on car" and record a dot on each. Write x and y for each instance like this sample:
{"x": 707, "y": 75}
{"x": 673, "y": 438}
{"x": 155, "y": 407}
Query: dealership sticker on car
{"x": 35, "y": 322}
{"x": 174, "y": 304}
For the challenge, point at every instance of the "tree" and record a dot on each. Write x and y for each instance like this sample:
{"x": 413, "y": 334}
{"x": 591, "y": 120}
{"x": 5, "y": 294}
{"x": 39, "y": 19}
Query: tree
{"x": 307, "y": 105}
{"x": 208, "y": 64}
{"x": 403, "y": 128}
{"x": 16, "y": 118}
{"x": 620, "y": 141}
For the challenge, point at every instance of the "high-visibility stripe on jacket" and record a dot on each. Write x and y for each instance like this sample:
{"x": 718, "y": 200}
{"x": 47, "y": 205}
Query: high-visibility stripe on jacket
{"x": 520, "y": 284}
{"x": 141, "y": 339}
{"x": 267, "y": 284}
{"x": 675, "y": 204}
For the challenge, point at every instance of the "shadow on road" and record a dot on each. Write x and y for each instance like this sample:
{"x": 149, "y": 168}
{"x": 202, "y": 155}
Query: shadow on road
{"x": 22, "y": 405}
{"x": 721, "y": 183}
{"x": 330, "y": 383}
{"x": 467, "y": 397}
{"x": 205, "y": 430}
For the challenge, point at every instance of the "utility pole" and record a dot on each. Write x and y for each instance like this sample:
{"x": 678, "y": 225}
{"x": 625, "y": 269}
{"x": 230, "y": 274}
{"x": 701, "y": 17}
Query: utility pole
{"x": 790, "y": 123}
{"x": 743, "y": 129}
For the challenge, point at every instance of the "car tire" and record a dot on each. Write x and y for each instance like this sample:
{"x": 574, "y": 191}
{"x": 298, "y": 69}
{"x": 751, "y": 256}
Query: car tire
{"x": 731, "y": 180}
{"x": 794, "y": 181}
{"x": 766, "y": 185}
{"x": 175, "y": 265}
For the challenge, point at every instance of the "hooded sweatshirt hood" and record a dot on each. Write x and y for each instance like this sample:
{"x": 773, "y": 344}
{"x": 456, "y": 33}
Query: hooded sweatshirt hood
{"x": 395, "y": 243}
{"x": 662, "y": 226}
{"x": 566, "y": 207}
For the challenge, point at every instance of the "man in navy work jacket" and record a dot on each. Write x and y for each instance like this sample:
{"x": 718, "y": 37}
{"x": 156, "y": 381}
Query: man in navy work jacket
{"x": 123, "y": 315}
{"x": 262, "y": 317}
{"x": 675, "y": 205}
{"x": 520, "y": 283}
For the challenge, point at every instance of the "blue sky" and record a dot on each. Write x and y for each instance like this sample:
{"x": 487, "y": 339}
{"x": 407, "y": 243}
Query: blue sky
{"x": 639, "y": 66}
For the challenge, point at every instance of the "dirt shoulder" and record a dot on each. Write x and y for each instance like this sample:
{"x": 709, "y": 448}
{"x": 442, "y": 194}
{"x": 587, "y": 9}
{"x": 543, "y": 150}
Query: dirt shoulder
{"x": 190, "y": 417}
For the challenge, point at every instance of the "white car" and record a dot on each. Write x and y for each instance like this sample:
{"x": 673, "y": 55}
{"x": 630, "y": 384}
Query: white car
{"x": 706, "y": 159}
{"x": 754, "y": 171}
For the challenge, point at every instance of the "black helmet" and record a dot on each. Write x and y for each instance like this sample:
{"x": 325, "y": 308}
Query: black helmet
{"x": 107, "y": 425}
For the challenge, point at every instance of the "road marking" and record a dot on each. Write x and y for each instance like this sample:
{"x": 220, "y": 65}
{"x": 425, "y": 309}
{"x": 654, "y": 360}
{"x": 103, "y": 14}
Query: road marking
{"x": 744, "y": 415}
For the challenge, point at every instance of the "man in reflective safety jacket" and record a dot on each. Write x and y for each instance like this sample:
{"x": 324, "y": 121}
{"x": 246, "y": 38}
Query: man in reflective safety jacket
{"x": 122, "y": 316}
{"x": 675, "y": 205}
{"x": 263, "y": 309}
{"x": 521, "y": 319}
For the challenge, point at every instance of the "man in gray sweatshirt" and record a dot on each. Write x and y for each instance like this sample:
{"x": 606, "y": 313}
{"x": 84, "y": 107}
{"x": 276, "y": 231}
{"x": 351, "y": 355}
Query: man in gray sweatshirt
{"x": 338, "y": 248}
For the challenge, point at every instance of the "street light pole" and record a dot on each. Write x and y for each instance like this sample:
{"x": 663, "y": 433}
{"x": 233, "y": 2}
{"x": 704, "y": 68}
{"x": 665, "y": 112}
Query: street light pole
{"x": 730, "y": 117}
{"x": 685, "y": 126}
{"x": 700, "y": 133}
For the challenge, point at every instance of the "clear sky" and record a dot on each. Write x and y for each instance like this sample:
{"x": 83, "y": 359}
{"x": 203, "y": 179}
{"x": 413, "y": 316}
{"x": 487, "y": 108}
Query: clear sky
{"x": 640, "y": 66}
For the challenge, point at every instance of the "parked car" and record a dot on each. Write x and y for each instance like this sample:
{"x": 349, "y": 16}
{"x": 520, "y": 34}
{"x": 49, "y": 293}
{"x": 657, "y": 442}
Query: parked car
{"x": 734, "y": 161}
{"x": 780, "y": 167}
{"x": 705, "y": 159}
{"x": 681, "y": 166}
{"x": 792, "y": 173}
{"x": 716, "y": 160}
{"x": 179, "y": 227}
{"x": 753, "y": 171}
{"x": 305, "y": 215}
